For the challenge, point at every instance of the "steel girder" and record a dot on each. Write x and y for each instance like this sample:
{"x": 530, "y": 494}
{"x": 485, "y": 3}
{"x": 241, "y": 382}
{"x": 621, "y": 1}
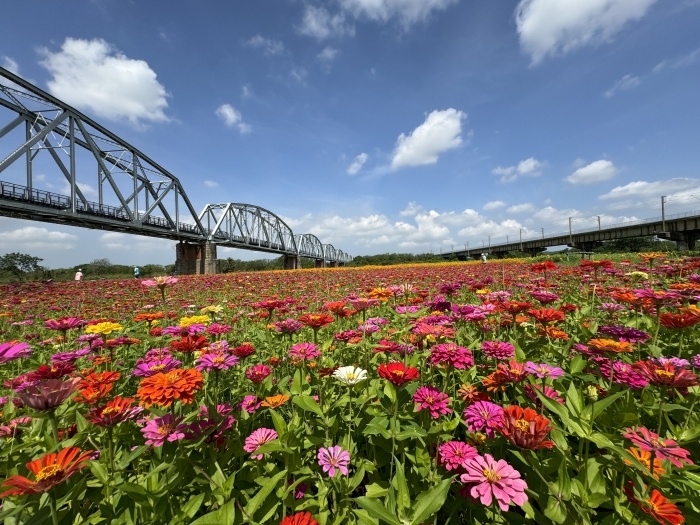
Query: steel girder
{"x": 309, "y": 246}
{"x": 129, "y": 191}
{"x": 246, "y": 226}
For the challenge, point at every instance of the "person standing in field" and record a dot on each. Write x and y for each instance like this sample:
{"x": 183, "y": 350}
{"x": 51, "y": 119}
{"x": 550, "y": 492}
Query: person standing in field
{"x": 79, "y": 275}
{"x": 137, "y": 272}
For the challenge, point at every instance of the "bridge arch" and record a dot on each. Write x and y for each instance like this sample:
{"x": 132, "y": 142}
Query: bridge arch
{"x": 309, "y": 246}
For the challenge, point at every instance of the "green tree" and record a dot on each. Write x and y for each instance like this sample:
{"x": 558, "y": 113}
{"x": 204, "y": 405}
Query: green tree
{"x": 19, "y": 263}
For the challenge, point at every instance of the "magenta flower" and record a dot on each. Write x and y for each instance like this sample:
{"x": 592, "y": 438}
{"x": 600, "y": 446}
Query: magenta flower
{"x": 220, "y": 361}
{"x": 548, "y": 391}
{"x": 161, "y": 429}
{"x": 663, "y": 448}
{"x": 257, "y": 439}
{"x": 150, "y": 368}
{"x": 543, "y": 370}
{"x": 304, "y": 351}
{"x": 48, "y": 394}
{"x": 498, "y": 349}
{"x": 66, "y": 357}
{"x": 64, "y": 323}
{"x": 13, "y": 350}
{"x": 332, "y": 458}
{"x": 258, "y": 373}
{"x": 454, "y": 454}
{"x": 250, "y": 404}
{"x": 483, "y": 416}
{"x": 218, "y": 329}
{"x": 434, "y": 400}
{"x": 449, "y": 354}
{"x": 494, "y": 479}
{"x": 288, "y": 326}
{"x": 160, "y": 282}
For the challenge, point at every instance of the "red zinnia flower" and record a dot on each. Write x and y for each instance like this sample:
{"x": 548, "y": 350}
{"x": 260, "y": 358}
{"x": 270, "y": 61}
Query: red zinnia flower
{"x": 316, "y": 321}
{"x": 525, "y": 428}
{"x": 115, "y": 411}
{"x": 300, "y": 518}
{"x": 666, "y": 375}
{"x": 398, "y": 373}
{"x": 49, "y": 471}
{"x": 657, "y": 506}
{"x": 547, "y": 315}
{"x": 190, "y": 343}
{"x": 678, "y": 321}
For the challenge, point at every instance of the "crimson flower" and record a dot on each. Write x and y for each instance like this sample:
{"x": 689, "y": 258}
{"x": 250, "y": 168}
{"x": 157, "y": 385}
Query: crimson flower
{"x": 64, "y": 323}
{"x": 666, "y": 374}
{"x": 398, "y": 373}
{"x": 525, "y": 428}
{"x": 316, "y": 321}
{"x": 663, "y": 448}
{"x": 299, "y": 518}
{"x": 115, "y": 411}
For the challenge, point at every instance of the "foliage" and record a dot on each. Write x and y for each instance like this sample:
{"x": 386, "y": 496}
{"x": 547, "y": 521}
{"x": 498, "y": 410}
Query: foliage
{"x": 18, "y": 264}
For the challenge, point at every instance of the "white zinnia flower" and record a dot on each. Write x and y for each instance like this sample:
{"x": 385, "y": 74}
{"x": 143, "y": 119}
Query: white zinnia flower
{"x": 350, "y": 375}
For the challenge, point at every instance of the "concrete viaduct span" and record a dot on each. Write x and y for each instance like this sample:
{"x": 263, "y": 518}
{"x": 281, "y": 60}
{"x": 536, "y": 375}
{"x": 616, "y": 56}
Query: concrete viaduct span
{"x": 683, "y": 228}
{"x": 44, "y": 144}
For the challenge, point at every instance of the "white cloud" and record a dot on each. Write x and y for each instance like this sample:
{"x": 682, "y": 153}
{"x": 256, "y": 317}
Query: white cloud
{"x": 10, "y": 64}
{"x": 93, "y": 75}
{"x": 408, "y": 12}
{"x": 597, "y": 171}
{"x": 141, "y": 246}
{"x": 85, "y": 188}
{"x": 269, "y": 47}
{"x": 32, "y": 238}
{"x": 624, "y": 84}
{"x": 327, "y": 55}
{"x": 555, "y": 27}
{"x": 411, "y": 210}
{"x": 530, "y": 167}
{"x": 211, "y": 184}
{"x": 521, "y": 208}
{"x": 357, "y": 164}
{"x": 232, "y": 117}
{"x": 299, "y": 74}
{"x": 246, "y": 91}
{"x": 439, "y": 133}
{"x": 644, "y": 190}
{"x": 494, "y": 205}
{"x": 683, "y": 61}
{"x": 320, "y": 24}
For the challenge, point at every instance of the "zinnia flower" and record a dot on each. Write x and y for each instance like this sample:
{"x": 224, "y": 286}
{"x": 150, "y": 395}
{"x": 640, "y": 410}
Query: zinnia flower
{"x": 432, "y": 399}
{"x": 666, "y": 375}
{"x": 161, "y": 429}
{"x": 64, "y": 323}
{"x": 105, "y": 328}
{"x": 449, "y": 354}
{"x": 250, "y": 404}
{"x": 50, "y": 470}
{"x": 48, "y": 394}
{"x": 332, "y": 458}
{"x": 257, "y": 439}
{"x": 482, "y": 416}
{"x": 525, "y": 428}
{"x": 258, "y": 373}
{"x": 656, "y": 506}
{"x": 304, "y": 351}
{"x": 13, "y": 350}
{"x": 316, "y": 321}
{"x": 350, "y": 375}
{"x": 494, "y": 479}
{"x": 543, "y": 370}
{"x": 165, "y": 387}
{"x": 160, "y": 282}
{"x": 275, "y": 401}
{"x": 218, "y": 361}
{"x": 398, "y": 373}
{"x": 454, "y": 454}
{"x": 663, "y": 448}
{"x": 498, "y": 349}
{"x": 115, "y": 411}
{"x": 299, "y": 518}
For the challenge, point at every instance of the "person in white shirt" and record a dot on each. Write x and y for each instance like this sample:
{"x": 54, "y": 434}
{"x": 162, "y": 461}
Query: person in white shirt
{"x": 79, "y": 275}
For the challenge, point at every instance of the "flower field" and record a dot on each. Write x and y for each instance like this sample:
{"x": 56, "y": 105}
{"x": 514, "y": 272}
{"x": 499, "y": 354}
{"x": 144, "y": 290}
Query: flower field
{"x": 508, "y": 392}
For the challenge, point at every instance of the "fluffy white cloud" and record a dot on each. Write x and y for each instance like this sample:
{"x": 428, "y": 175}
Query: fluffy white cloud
{"x": 440, "y": 132}
{"x": 327, "y": 55}
{"x": 597, "y": 171}
{"x": 10, "y": 64}
{"x": 624, "y": 84}
{"x": 357, "y": 164}
{"x": 494, "y": 205}
{"x": 32, "y": 238}
{"x": 137, "y": 244}
{"x": 232, "y": 117}
{"x": 411, "y": 210}
{"x": 552, "y": 27}
{"x": 644, "y": 190}
{"x": 521, "y": 208}
{"x": 318, "y": 23}
{"x": 530, "y": 167}
{"x": 92, "y": 75}
{"x": 407, "y": 12}
{"x": 267, "y": 45}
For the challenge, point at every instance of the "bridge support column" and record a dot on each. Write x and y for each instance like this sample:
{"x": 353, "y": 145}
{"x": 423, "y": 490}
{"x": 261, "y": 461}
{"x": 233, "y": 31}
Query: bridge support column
{"x": 319, "y": 263}
{"x": 291, "y": 262}
{"x": 332, "y": 264}
{"x": 534, "y": 252}
{"x": 196, "y": 259}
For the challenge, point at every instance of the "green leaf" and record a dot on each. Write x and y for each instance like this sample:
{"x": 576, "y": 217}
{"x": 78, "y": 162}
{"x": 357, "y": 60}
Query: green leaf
{"x": 307, "y": 404}
{"x": 279, "y": 423}
{"x": 574, "y": 399}
{"x": 555, "y": 510}
{"x": 225, "y": 514}
{"x": 190, "y": 508}
{"x": 593, "y": 410}
{"x": 99, "y": 471}
{"x": 403, "y": 497}
{"x": 264, "y": 492}
{"x": 375, "y": 509}
{"x": 430, "y": 501}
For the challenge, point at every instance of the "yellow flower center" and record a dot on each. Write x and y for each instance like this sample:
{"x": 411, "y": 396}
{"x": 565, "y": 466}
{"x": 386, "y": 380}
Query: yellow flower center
{"x": 218, "y": 359}
{"x": 522, "y": 425}
{"x": 157, "y": 367}
{"x": 664, "y": 373}
{"x": 109, "y": 410}
{"x": 165, "y": 429}
{"x": 48, "y": 472}
{"x": 491, "y": 475}
{"x": 350, "y": 376}
{"x": 173, "y": 377}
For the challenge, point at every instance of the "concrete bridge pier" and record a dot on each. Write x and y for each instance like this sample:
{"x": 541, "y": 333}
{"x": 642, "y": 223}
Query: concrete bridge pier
{"x": 292, "y": 262}
{"x": 196, "y": 259}
{"x": 319, "y": 263}
{"x": 332, "y": 264}
{"x": 585, "y": 246}
{"x": 684, "y": 239}
{"x": 534, "y": 252}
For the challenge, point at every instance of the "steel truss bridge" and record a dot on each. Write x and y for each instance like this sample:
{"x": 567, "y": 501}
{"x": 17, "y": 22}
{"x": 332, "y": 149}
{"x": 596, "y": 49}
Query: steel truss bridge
{"x": 99, "y": 181}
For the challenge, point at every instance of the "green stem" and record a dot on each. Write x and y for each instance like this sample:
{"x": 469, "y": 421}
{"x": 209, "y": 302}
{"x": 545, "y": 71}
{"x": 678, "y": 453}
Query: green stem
{"x": 54, "y": 426}
{"x": 54, "y": 511}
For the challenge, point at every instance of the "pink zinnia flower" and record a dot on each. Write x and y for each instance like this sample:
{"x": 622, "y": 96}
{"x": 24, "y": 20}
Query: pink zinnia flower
{"x": 48, "y": 394}
{"x": 454, "y": 454}
{"x": 483, "y": 415}
{"x": 258, "y": 373}
{"x": 161, "y": 429}
{"x": 220, "y": 361}
{"x": 304, "y": 351}
{"x": 663, "y": 448}
{"x": 13, "y": 350}
{"x": 494, "y": 479}
{"x": 543, "y": 370}
{"x": 332, "y": 458}
{"x": 434, "y": 400}
{"x": 498, "y": 349}
{"x": 625, "y": 374}
{"x": 257, "y": 439}
{"x": 64, "y": 323}
{"x": 449, "y": 354}
{"x": 160, "y": 282}
{"x": 531, "y": 393}
{"x": 250, "y": 404}
{"x": 150, "y": 368}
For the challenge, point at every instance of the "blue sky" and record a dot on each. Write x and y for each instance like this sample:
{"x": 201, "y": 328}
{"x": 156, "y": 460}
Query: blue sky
{"x": 378, "y": 125}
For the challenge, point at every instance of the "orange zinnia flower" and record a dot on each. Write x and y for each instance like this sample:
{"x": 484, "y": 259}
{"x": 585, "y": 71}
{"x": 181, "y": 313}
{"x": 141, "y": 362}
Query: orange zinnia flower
{"x": 275, "y": 401}
{"x": 525, "y": 428}
{"x": 644, "y": 457}
{"x": 657, "y": 506}
{"x": 165, "y": 387}
{"x": 610, "y": 345}
{"x": 49, "y": 471}
{"x": 316, "y": 321}
{"x": 92, "y": 395}
{"x": 678, "y": 321}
